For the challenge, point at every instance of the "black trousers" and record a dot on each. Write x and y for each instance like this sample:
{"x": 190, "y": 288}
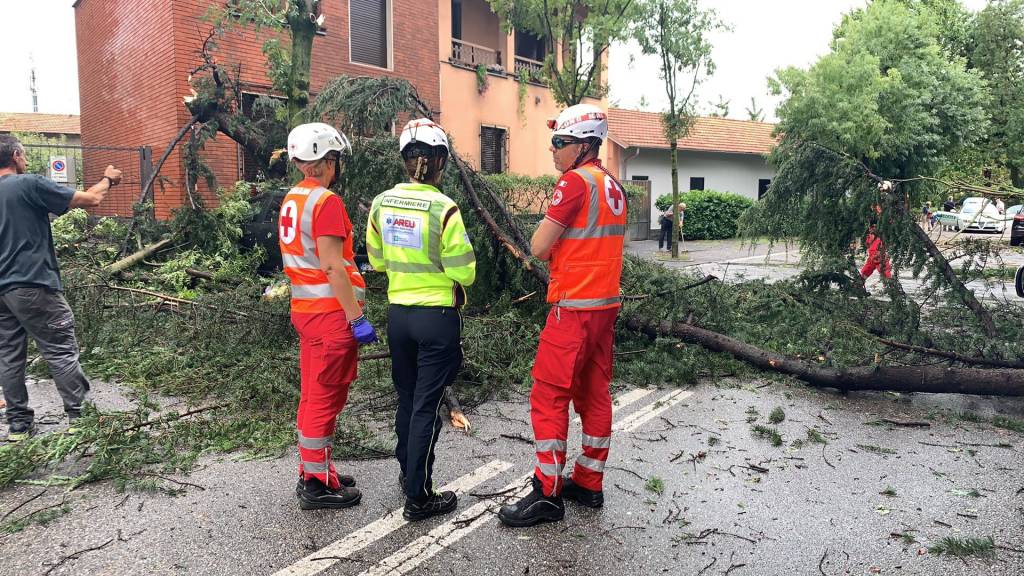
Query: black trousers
{"x": 665, "y": 238}
{"x": 426, "y": 353}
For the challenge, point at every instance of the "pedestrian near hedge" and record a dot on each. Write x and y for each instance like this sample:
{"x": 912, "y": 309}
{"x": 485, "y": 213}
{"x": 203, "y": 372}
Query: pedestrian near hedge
{"x": 32, "y": 302}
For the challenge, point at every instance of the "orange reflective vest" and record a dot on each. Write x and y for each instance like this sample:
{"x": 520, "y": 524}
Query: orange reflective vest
{"x": 311, "y": 293}
{"x": 586, "y": 262}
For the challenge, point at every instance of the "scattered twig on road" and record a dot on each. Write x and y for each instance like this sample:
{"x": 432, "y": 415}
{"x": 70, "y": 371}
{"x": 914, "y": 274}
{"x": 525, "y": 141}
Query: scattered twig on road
{"x": 1008, "y": 548}
{"x": 677, "y": 456}
{"x": 493, "y": 494}
{"x": 906, "y": 423}
{"x": 517, "y": 438}
{"x": 77, "y": 555}
{"x": 339, "y": 558}
{"x": 826, "y": 457}
{"x": 941, "y": 523}
{"x": 172, "y": 480}
{"x": 627, "y": 490}
{"x": 627, "y": 470}
{"x": 22, "y": 505}
{"x": 711, "y": 532}
{"x": 825, "y": 420}
{"x": 467, "y": 521}
{"x": 731, "y": 565}
{"x": 704, "y": 569}
{"x": 822, "y": 562}
{"x": 123, "y": 500}
{"x": 754, "y": 467}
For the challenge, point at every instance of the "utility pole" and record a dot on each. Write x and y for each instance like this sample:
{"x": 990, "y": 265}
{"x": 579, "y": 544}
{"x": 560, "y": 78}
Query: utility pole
{"x": 32, "y": 84}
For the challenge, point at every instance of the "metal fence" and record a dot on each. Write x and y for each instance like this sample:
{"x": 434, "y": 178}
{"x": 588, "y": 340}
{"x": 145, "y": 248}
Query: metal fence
{"x": 640, "y": 210}
{"x": 80, "y": 167}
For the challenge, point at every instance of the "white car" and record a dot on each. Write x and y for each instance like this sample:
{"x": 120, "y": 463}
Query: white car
{"x": 979, "y": 215}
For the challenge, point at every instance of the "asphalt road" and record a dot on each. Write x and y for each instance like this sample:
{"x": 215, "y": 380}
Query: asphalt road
{"x": 733, "y": 505}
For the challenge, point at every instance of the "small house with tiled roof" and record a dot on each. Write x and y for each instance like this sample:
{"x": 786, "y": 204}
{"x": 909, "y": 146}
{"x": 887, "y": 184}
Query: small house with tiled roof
{"x": 717, "y": 154}
{"x": 49, "y": 125}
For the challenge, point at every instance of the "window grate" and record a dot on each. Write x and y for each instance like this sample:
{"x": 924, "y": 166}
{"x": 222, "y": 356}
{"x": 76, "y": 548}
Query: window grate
{"x": 493, "y": 147}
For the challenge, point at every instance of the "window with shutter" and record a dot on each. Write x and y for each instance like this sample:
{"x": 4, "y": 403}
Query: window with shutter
{"x": 368, "y": 32}
{"x": 696, "y": 183}
{"x": 492, "y": 149}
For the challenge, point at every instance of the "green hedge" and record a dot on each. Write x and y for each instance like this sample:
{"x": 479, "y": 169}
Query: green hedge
{"x": 710, "y": 215}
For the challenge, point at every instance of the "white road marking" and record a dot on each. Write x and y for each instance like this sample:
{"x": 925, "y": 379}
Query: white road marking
{"x": 431, "y": 544}
{"x": 645, "y": 414}
{"x": 625, "y": 399}
{"x": 356, "y": 541}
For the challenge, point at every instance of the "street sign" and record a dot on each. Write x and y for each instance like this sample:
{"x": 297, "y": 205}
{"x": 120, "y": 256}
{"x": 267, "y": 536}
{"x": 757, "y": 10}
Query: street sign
{"x": 59, "y": 169}
{"x": 62, "y": 169}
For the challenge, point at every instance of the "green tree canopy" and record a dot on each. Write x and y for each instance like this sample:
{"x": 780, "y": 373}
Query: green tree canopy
{"x": 888, "y": 98}
{"x": 579, "y": 31}
{"x": 996, "y": 48}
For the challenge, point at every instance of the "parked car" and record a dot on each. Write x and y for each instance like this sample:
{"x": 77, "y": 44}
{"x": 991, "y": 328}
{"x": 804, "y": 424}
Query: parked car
{"x": 979, "y": 215}
{"x": 1016, "y": 226}
{"x": 261, "y": 230}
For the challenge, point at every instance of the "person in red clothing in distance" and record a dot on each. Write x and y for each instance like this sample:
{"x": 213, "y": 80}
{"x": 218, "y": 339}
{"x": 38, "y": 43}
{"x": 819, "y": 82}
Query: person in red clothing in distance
{"x": 327, "y": 294}
{"x": 877, "y": 260}
{"x": 581, "y": 235}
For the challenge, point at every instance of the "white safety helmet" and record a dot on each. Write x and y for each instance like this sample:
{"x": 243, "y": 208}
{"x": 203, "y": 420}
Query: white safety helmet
{"x": 309, "y": 142}
{"x": 581, "y": 121}
{"x": 423, "y": 131}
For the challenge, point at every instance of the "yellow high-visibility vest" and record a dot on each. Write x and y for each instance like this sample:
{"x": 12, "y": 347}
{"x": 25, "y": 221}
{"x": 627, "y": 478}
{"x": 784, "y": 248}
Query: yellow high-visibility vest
{"x": 416, "y": 234}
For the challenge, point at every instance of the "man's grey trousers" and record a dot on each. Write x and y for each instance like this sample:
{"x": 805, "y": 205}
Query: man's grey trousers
{"x": 44, "y": 315}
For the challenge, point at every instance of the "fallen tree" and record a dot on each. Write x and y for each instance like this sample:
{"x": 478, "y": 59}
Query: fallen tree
{"x": 932, "y": 379}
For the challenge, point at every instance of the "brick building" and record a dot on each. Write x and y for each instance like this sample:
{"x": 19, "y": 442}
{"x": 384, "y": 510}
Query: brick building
{"x": 134, "y": 58}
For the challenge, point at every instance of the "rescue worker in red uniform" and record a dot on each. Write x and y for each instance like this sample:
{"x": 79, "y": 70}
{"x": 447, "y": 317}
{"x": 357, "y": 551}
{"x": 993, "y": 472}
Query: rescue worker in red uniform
{"x": 581, "y": 235}
{"x": 315, "y": 236}
{"x": 877, "y": 260}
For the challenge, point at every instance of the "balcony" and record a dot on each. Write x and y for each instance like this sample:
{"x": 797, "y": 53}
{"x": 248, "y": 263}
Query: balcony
{"x": 473, "y": 55}
{"x": 532, "y": 69}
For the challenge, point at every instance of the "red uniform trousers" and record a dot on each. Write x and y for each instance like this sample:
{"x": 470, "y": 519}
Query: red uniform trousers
{"x": 328, "y": 353}
{"x": 574, "y": 362}
{"x": 876, "y": 258}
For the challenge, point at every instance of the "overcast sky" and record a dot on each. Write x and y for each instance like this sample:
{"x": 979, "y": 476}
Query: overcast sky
{"x": 766, "y": 35}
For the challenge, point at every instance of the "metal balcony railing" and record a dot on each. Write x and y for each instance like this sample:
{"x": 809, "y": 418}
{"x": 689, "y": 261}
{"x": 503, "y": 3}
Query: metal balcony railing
{"x": 472, "y": 55}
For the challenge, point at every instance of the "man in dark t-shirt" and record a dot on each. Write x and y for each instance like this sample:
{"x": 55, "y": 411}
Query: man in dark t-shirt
{"x": 31, "y": 294}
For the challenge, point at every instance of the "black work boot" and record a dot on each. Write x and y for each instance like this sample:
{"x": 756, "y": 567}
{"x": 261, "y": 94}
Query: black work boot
{"x": 344, "y": 479}
{"x": 433, "y": 505}
{"x": 534, "y": 508}
{"x": 580, "y": 495}
{"x": 314, "y": 494}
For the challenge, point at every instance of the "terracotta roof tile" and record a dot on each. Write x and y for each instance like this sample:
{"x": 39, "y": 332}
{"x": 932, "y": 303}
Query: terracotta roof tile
{"x": 631, "y": 128}
{"x": 41, "y": 123}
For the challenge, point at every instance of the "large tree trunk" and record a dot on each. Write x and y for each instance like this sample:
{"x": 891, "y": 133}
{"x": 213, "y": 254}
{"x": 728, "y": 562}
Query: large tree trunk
{"x": 676, "y": 227}
{"x": 303, "y": 28}
{"x": 934, "y": 379}
{"x": 539, "y": 272}
{"x": 988, "y": 326}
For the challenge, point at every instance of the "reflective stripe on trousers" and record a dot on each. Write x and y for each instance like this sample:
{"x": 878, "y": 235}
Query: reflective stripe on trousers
{"x": 589, "y": 302}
